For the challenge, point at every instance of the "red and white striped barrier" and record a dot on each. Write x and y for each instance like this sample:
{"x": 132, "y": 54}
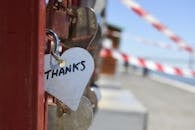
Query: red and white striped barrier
{"x": 156, "y": 24}
{"x": 140, "y": 62}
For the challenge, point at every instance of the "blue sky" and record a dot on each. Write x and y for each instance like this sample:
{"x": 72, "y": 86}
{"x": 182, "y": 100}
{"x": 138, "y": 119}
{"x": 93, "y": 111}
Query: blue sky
{"x": 175, "y": 14}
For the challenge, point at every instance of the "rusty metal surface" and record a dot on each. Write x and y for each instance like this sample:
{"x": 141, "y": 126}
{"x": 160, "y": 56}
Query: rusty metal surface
{"x": 22, "y": 25}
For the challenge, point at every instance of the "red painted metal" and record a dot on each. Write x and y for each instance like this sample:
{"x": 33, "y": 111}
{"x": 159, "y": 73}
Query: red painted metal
{"x": 22, "y": 25}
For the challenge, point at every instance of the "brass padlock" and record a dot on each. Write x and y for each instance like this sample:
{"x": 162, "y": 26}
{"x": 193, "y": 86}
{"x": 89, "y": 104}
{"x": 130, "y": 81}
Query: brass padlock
{"x": 83, "y": 29}
{"x": 80, "y": 119}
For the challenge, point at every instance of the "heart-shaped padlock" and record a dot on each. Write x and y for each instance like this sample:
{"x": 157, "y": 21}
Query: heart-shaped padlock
{"x": 68, "y": 83}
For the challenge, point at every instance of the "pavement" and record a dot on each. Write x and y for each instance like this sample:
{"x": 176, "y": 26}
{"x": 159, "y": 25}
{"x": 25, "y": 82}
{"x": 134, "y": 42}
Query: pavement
{"x": 119, "y": 110}
{"x": 161, "y": 106}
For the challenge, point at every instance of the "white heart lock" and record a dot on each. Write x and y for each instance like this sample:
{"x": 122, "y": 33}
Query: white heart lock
{"x": 68, "y": 83}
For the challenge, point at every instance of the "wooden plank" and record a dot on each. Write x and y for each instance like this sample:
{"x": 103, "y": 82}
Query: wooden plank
{"x": 22, "y": 25}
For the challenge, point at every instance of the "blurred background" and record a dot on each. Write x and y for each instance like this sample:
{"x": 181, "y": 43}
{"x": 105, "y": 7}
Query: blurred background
{"x": 147, "y": 78}
{"x": 176, "y": 15}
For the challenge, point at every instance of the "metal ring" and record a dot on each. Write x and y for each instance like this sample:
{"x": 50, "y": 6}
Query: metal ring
{"x": 56, "y": 39}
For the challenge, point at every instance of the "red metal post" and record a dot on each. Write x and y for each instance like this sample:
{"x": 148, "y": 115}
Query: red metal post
{"x": 22, "y": 25}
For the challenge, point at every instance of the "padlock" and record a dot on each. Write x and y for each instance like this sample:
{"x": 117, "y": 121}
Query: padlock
{"x": 95, "y": 45}
{"x": 56, "y": 109}
{"x": 57, "y": 17}
{"x": 94, "y": 50}
{"x": 80, "y": 119}
{"x": 92, "y": 92}
{"x": 52, "y": 117}
{"x": 83, "y": 30}
{"x": 88, "y": 3}
{"x": 55, "y": 117}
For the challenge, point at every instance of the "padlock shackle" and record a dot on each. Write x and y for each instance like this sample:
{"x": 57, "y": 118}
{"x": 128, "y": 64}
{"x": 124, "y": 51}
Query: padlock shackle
{"x": 56, "y": 39}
